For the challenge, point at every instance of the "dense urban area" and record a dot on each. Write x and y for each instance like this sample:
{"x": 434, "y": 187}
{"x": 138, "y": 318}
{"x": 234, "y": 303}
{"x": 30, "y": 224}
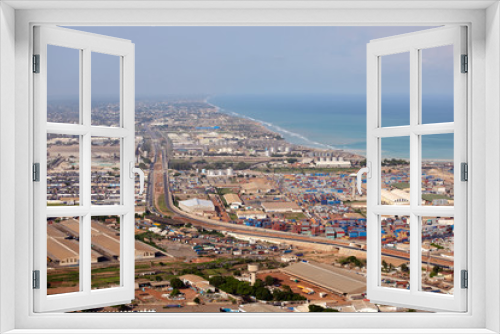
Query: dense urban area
{"x": 235, "y": 218}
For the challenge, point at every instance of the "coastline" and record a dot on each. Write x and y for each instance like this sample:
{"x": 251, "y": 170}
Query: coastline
{"x": 300, "y": 140}
{"x": 286, "y": 134}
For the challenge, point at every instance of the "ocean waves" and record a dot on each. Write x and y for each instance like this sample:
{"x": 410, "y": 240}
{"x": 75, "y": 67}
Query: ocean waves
{"x": 287, "y": 134}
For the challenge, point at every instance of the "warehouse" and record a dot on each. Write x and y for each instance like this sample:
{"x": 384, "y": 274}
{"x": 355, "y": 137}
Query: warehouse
{"x": 251, "y": 215}
{"x": 196, "y": 205}
{"x": 63, "y": 251}
{"x": 334, "y": 279}
{"x": 233, "y": 200}
{"x": 281, "y": 207}
{"x": 107, "y": 241}
{"x": 395, "y": 197}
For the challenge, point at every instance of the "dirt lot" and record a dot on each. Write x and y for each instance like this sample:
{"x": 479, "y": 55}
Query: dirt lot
{"x": 150, "y": 295}
{"x": 285, "y": 280}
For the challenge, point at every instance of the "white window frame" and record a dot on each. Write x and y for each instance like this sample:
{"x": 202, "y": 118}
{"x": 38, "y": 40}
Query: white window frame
{"x": 483, "y": 20}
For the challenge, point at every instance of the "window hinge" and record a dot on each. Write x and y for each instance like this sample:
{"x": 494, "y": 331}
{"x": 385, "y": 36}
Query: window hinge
{"x": 464, "y": 172}
{"x": 36, "y": 63}
{"x": 36, "y": 279}
{"x": 465, "y": 279}
{"x": 36, "y": 172}
{"x": 465, "y": 64}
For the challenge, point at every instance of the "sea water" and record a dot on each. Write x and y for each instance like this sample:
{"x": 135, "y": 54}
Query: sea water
{"x": 339, "y": 121}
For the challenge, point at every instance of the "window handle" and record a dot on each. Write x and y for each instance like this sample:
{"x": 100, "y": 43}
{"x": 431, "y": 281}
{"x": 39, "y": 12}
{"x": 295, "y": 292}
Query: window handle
{"x": 368, "y": 171}
{"x": 134, "y": 170}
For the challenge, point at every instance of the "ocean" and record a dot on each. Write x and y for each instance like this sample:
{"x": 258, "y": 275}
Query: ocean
{"x": 339, "y": 122}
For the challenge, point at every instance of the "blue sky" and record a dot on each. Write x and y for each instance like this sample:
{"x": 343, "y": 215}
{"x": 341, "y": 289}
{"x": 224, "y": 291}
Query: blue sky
{"x": 243, "y": 60}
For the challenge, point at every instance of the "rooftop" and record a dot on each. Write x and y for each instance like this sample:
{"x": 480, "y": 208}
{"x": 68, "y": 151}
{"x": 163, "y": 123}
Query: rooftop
{"x": 338, "y": 280}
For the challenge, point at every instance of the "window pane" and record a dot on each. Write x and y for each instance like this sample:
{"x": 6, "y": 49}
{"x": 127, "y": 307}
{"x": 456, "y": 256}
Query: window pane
{"x": 395, "y": 171}
{"x": 63, "y": 255}
{"x": 437, "y": 84}
{"x": 63, "y": 84}
{"x": 437, "y": 254}
{"x": 105, "y": 251}
{"x": 437, "y": 170}
{"x": 395, "y": 90}
{"x": 105, "y": 171}
{"x": 395, "y": 241}
{"x": 105, "y": 89}
{"x": 63, "y": 170}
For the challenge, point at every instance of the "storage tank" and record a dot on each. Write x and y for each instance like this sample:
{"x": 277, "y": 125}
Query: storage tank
{"x": 252, "y": 269}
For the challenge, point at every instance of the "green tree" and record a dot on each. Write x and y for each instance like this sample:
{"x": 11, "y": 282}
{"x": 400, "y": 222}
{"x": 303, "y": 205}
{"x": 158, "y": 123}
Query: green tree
{"x": 263, "y": 294}
{"x": 176, "y": 283}
{"x": 216, "y": 281}
{"x": 197, "y": 300}
{"x": 317, "y": 308}
{"x": 269, "y": 280}
{"x": 258, "y": 284}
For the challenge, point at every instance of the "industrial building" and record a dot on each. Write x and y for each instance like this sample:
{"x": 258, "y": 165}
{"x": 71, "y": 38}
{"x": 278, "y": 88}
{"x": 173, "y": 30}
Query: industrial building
{"x": 395, "y": 197}
{"x": 198, "y": 282}
{"x": 281, "y": 207}
{"x": 337, "y": 280}
{"x": 64, "y": 251}
{"x": 251, "y": 215}
{"x": 196, "y": 205}
{"x": 105, "y": 241}
{"x": 337, "y": 162}
{"x": 233, "y": 200}
{"x": 256, "y": 187}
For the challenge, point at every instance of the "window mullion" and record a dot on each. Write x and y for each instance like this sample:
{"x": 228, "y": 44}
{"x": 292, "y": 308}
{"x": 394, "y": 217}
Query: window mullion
{"x": 415, "y": 174}
{"x": 86, "y": 176}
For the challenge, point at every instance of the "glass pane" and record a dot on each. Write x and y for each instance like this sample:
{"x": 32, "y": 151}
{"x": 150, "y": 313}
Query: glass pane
{"x": 105, "y": 89}
{"x": 105, "y": 251}
{"x": 63, "y": 255}
{"x": 437, "y": 84}
{"x": 63, "y": 170}
{"x": 105, "y": 171}
{"x": 437, "y": 170}
{"x": 395, "y": 242}
{"x": 437, "y": 254}
{"x": 395, "y": 171}
{"x": 395, "y": 89}
{"x": 63, "y": 84}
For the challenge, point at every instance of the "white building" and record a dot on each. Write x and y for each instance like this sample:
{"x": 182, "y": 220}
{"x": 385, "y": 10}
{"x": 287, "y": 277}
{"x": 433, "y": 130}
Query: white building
{"x": 196, "y": 205}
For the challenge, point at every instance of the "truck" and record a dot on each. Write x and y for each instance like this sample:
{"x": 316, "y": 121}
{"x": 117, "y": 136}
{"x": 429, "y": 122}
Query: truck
{"x": 308, "y": 291}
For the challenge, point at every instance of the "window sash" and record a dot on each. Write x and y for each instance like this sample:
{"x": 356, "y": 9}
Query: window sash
{"x": 86, "y": 43}
{"x": 412, "y": 43}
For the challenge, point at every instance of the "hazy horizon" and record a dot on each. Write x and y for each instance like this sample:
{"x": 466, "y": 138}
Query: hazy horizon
{"x": 207, "y": 61}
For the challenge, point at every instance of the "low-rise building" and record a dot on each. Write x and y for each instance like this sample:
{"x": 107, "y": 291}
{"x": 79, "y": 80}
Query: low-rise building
{"x": 196, "y": 205}
{"x": 281, "y": 207}
{"x": 251, "y": 215}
